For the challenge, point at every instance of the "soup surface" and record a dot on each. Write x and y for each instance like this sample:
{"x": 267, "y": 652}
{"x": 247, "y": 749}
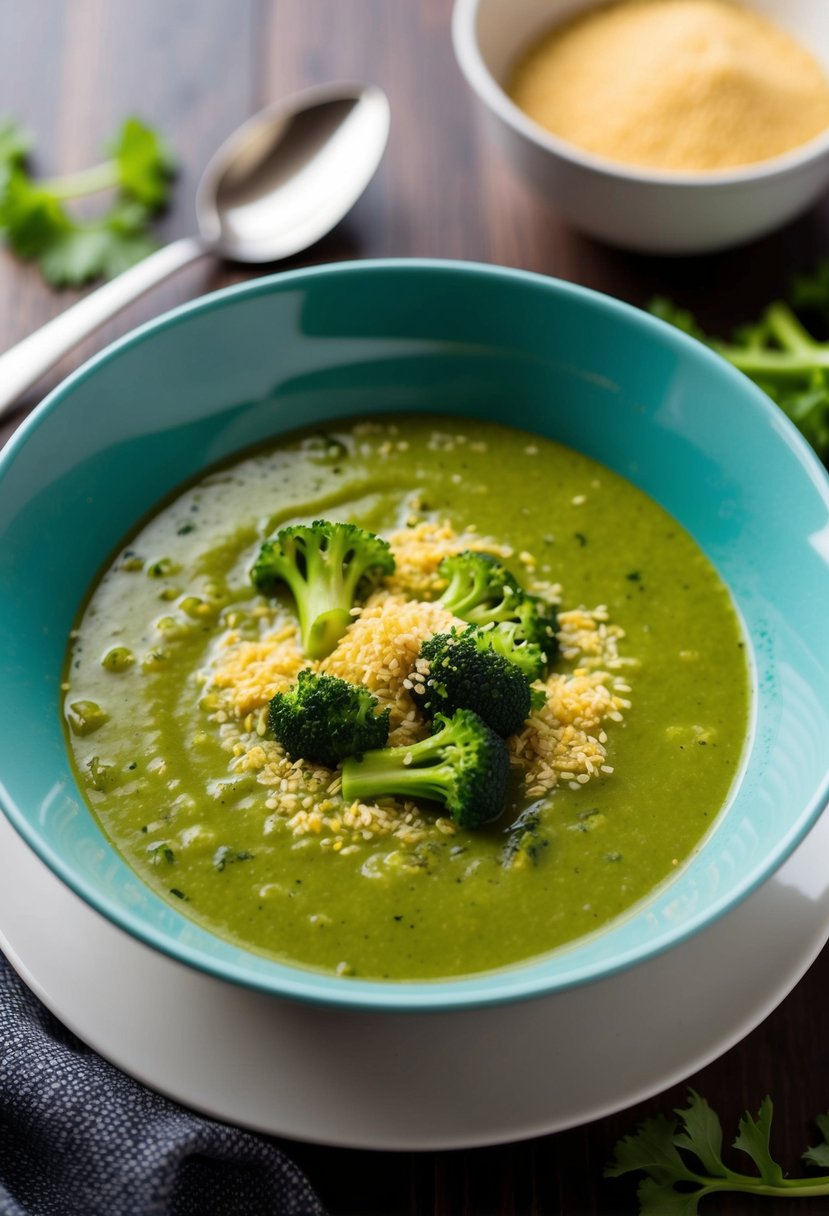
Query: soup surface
{"x": 615, "y": 778}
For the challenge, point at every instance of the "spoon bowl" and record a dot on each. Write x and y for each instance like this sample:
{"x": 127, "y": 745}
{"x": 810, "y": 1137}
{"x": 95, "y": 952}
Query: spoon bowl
{"x": 276, "y": 186}
{"x": 287, "y": 176}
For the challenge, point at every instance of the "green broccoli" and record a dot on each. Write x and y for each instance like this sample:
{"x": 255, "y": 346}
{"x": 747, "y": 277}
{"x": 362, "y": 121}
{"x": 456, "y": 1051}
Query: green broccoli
{"x": 460, "y": 670}
{"x": 502, "y": 638}
{"x": 324, "y": 719}
{"x": 536, "y": 620}
{"x": 324, "y": 566}
{"x": 482, "y": 591}
{"x": 464, "y": 765}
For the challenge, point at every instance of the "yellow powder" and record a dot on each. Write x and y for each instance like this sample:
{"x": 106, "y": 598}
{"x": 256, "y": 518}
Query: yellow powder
{"x": 674, "y": 84}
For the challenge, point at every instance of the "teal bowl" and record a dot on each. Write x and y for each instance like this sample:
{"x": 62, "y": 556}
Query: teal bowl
{"x": 241, "y": 366}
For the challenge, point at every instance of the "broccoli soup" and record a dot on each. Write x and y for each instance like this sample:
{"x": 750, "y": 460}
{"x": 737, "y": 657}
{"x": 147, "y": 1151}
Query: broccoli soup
{"x": 411, "y": 698}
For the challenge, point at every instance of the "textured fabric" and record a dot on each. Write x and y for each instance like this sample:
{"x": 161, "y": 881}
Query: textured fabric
{"x": 79, "y": 1138}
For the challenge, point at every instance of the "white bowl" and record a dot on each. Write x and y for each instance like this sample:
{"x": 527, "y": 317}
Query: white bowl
{"x": 651, "y": 211}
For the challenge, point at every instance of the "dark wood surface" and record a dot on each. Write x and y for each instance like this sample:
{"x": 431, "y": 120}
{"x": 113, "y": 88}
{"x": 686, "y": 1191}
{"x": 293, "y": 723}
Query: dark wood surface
{"x": 71, "y": 70}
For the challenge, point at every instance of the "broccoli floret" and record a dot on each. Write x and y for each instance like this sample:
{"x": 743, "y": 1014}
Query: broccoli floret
{"x": 538, "y": 623}
{"x": 464, "y": 766}
{"x": 482, "y": 591}
{"x": 324, "y": 719}
{"x": 504, "y": 638}
{"x": 460, "y": 670}
{"x": 323, "y": 565}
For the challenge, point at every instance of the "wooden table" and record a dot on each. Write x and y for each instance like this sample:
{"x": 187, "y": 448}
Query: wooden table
{"x": 71, "y": 70}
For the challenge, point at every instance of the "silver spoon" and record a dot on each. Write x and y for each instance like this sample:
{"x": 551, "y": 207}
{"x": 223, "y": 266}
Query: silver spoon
{"x": 283, "y": 180}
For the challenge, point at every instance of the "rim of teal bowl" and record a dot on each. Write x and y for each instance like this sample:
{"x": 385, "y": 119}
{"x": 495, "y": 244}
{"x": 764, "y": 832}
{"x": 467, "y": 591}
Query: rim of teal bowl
{"x": 519, "y": 981}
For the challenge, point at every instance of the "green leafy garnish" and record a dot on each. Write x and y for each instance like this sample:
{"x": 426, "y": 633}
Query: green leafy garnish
{"x": 779, "y": 354}
{"x": 224, "y": 855}
{"x": 143, "y": 163}
{"x": 14, "y": 145}
{"x": 38, "y": 226}
{"x": 683, "y": 1161}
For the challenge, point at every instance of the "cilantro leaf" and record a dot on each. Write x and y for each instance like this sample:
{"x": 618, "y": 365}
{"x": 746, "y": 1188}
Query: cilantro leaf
{"x": 660, "y": 1199}
{"x": 819, "y": 1155}
{"x": 74, "y": 257}
{"x": 702, "y": 1135}
{"x": 38, "y": 225}
{"x": 652, "y": 1149}
{"x": 14, "y": 144}
{"x": 754, "y": 1138}
{"x": 779, "y": 354}
{"x": 31, "y": 219}
{"x": 674, "y": 1186}
{"x": 144, "y": 163}
{"x": 810, "y": 292}
{"x": 90, "y": 253}
{"x": 680, "y": 318}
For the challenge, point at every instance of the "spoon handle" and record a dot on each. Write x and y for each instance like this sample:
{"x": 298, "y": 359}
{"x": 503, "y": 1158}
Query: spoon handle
{"x": 26, "y": 362}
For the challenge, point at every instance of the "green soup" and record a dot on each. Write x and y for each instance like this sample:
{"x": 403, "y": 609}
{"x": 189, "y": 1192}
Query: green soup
{"x": 170, "y": 746}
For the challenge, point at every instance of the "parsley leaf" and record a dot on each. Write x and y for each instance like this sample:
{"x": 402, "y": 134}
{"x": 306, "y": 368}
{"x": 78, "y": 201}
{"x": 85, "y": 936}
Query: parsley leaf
{"x": 754, "y": 1140}
{"x": 14, "y": 144}
{"x": 144, "y": 163}
{"x": 105, "y": 248}
{"x": 702, "y": 1135}
{"x": 32, "y": 219}
{"x": 660, "y": 1199}
{"x": 779, "y": 354}
{"x": 652, "y": 1149}
{"x": 38, "y": 226}
{"x": 819, "y": 1155}
{"x": 683, "y": 1161}
{"x": 810, "y": 292}
{"x": 680, "y": 318}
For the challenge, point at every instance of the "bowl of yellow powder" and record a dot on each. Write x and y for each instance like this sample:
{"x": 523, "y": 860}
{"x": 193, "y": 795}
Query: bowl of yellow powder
{"x": 665, "y": 126}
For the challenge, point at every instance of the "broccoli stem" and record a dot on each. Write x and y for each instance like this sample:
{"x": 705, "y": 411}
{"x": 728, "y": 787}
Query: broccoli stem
{"x": 323, "y": 565}
{"x": 322, "y": 631}
{"x": 373, "y": 783}
{"x": 416, "y": 771}
{"x": 465, "y": 766}
{"x": 321, "y": 597}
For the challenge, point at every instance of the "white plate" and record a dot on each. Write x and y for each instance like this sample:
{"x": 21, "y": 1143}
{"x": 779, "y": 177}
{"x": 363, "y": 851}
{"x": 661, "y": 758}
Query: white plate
{"x": 411, "y": 1081}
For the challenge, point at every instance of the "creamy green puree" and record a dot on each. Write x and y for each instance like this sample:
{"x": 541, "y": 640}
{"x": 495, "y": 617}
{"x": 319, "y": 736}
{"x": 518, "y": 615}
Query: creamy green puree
{"x": 152, "y": 751}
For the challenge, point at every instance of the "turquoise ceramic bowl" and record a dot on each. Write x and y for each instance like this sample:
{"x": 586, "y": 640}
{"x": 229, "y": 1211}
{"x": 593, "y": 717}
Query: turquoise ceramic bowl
{"x": 244, "y": 365}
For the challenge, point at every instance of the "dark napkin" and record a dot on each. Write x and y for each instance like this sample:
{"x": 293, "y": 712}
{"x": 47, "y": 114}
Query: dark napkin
{"x": 80, "y": 1138}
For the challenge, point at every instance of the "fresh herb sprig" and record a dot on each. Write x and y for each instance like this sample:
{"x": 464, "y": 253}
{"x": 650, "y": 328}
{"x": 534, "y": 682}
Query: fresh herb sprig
{"x": 778, "y": 353}
{"x": 683, "y": 1161}
{"x": 37, "y": 224}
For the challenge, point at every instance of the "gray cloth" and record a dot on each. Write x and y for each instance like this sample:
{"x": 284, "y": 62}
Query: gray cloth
{"x": 80, "y": 1138}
